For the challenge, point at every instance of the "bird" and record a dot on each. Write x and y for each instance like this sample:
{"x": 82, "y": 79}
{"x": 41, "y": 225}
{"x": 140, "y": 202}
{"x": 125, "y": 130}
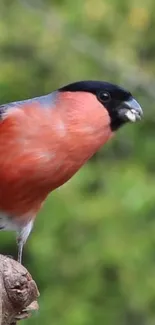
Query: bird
{"x": 45, "y": 140}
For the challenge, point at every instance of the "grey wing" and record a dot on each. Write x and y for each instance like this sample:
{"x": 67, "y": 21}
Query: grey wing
{"x": 43, "y": 100}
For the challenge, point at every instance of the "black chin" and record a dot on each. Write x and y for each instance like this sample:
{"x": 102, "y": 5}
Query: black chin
{"x": 117, "y": 123}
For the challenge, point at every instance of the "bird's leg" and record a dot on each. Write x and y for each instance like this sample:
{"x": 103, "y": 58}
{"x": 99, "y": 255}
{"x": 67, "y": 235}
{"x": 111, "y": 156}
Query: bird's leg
{"x": 20, "y": 245}
{"x": 22, "y": 236}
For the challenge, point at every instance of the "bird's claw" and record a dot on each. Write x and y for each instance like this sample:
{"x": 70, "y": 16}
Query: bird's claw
{"x": 26, "y": 313}
{"x": 22, "y": 315}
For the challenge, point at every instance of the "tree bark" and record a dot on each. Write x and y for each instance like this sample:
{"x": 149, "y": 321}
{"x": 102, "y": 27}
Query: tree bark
{"x": 18, "y": 292}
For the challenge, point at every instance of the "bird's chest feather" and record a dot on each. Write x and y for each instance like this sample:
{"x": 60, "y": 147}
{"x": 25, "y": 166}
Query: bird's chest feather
{"x": 39, "y": 151}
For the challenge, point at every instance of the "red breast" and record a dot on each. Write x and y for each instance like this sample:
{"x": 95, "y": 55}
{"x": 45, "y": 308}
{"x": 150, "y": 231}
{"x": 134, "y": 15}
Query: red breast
{"x": 41, "y": 148}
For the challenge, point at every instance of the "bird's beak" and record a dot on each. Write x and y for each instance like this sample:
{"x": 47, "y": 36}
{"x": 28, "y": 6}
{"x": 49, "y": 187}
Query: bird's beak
{"x": 130, "y": 110}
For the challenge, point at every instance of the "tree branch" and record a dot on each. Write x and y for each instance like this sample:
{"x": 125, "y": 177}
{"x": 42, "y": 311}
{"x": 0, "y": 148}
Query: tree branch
{"x": 18, "y": 292}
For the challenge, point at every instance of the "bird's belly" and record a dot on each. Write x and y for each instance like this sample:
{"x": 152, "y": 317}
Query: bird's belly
{"x": 24, "y": 185}
{"x": 64, "y": 170}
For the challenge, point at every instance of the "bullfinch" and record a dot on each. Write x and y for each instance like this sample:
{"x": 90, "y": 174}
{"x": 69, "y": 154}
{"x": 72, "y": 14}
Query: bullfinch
{"x": 44, "y": 141}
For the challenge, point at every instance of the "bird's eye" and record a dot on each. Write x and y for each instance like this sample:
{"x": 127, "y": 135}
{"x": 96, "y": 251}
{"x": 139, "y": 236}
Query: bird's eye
{"x": 104, "y": 96}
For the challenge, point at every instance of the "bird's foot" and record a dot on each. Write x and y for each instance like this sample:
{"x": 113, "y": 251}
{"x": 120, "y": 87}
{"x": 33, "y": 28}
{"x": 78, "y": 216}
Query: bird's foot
{"x": 26, "y": 313}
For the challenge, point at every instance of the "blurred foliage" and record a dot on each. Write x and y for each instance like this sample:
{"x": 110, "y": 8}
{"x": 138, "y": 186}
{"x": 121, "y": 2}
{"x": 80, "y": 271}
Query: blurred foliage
{"x": 92, "y": 251}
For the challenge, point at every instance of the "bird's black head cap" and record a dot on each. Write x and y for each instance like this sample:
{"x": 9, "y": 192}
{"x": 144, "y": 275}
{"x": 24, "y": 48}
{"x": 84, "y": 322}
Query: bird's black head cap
{"x": 115, "y": 99}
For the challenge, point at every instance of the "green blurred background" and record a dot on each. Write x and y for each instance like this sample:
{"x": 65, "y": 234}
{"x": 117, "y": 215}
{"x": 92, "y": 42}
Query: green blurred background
{"x": 92, "y": 250}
